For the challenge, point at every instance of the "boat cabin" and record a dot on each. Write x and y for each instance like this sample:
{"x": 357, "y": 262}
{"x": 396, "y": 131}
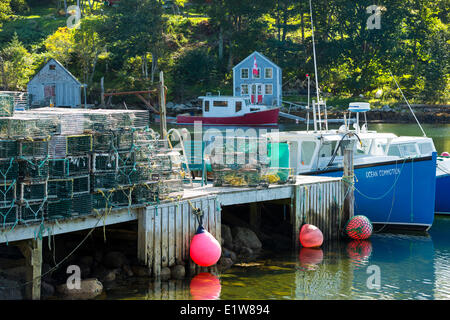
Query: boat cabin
{"x": 315, "y": 151}
{"x": 228, "y": 106}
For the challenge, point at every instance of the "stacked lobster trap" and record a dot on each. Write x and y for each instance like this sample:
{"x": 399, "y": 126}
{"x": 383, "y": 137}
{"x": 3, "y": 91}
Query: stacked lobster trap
{"x": 59, "y": 163}
{"x": 245, "y": 162}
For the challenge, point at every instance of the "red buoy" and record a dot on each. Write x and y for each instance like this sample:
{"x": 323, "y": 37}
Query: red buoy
{"x": 359, "y": 227}
{"x": 205, "y": 286}
{"x": 310, "y": 256}
{"x": 310, "y": 236}
{"x": 205, "y": 250}
{"x": 445, "y": 154}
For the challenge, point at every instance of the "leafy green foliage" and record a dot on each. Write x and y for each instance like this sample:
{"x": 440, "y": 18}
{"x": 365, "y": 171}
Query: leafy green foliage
{"x": 197, "y": 42}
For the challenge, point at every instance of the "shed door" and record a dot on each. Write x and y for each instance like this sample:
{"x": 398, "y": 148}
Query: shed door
{"x": 49, "y": 92}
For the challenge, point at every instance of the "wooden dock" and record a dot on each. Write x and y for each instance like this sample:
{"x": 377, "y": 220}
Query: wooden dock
{"x": 165, "y": 230}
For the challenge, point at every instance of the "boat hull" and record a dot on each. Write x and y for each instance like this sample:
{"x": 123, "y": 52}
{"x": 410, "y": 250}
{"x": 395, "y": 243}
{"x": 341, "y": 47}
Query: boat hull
{"x": 443, "y": 194}
{"x": 266, "y": 117}
{"x": 395, "y": 194}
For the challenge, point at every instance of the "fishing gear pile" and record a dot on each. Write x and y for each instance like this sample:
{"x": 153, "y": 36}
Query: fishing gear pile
{"x": 58, "y": 163}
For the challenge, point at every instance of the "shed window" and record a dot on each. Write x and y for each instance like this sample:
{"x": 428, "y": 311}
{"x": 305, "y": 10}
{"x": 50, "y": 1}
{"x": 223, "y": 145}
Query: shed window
{"x": 244, "y": 73}
{"x": 244, "y": 89}
{"x": 268, "y": 73}
{"x": 220, "y": 103}
{"x": 269, "y": 89}
{"x": 52, "y": 67}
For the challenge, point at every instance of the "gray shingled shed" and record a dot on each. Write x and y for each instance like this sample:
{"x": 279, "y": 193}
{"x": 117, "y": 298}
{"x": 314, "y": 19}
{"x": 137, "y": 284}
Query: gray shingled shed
{"x": 56, "y": 83}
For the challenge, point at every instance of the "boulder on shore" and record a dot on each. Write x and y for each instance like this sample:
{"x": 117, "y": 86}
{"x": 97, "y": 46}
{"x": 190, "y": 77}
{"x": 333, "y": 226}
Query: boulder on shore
{"x": 89, "y": 289}
{"x": 244, "y": 237}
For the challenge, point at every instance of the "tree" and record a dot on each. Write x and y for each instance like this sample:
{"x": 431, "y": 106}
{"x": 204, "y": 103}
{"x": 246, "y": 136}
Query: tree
{"x": 136, "y": 28}
{"x": 18, "y": 65}
{"x": 5, "y": 10}
{"x": 87, "y": 48}
{"x": 60, "y": 45}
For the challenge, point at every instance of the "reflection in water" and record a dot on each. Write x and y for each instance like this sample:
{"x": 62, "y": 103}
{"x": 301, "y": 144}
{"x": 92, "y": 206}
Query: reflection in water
{"x": 359, "y": 252}
{"x": 310, "y": 257}
{"x": 411, "y": 266}
{"x": 205, "y": 286}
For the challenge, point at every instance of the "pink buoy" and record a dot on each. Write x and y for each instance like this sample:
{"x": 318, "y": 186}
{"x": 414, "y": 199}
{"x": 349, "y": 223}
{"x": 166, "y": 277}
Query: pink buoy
{"x": 205, "y": 286}
{"x": 310, "y": 236}
{"x": 205, "y": 250}
{"x": 445, "y": 154}
{"x": 310, "y": 256}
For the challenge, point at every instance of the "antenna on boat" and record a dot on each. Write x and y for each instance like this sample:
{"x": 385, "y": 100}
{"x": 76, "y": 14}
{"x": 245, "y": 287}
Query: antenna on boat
{"x": 424, "y": 134}
{"x": 319, "y": 102}
{"x": 307, "y": 112}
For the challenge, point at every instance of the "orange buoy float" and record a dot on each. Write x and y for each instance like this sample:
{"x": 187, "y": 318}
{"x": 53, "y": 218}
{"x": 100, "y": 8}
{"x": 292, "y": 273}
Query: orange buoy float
{"x": 310, "y": 236}
{"x": 205, "y": 286}
{"x": 359, "y": 228}
{"x": 205, "y": 250}
{"x": 310, "y": 256}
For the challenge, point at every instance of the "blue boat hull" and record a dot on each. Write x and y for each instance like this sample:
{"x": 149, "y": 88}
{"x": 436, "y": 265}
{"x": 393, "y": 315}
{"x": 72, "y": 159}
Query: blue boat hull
{"x": 443, "y": 194}
{"x": 398, "y": 194}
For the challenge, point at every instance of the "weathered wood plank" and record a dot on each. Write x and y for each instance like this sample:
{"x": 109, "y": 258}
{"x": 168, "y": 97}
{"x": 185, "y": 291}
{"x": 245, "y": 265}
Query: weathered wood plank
{"x": 157, "y": 244}
{"x": 164, "y": 236}
{"x": 172, "y": 235}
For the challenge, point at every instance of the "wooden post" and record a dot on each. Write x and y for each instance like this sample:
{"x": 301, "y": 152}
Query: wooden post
{"x": 349, "y": 201}
{"x": 162, "y": 107}
{"x": 255, "y": 215}
{"x": 296, "y": 216}
{"x": 32, "y": 251}
{"x": 102, "y": 86}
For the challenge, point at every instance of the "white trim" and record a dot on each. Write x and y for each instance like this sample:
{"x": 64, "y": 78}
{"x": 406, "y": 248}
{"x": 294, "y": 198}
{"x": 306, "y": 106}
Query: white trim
{"x": 259, "y": 54}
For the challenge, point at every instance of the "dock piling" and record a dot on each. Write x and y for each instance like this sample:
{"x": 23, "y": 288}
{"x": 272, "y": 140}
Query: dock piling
{"x": 32, "y": 251}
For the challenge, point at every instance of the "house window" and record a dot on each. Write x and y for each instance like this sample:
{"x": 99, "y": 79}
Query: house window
{"x": 52, "y": 67}
{"x": 244, "y": 89}
{"x": 268, "y": 73}
{"x": 207, "y": 106}
{"x": 269, "y": 89}
{"x": 220, "y": 103}
{"x": 244, "y": 73}
{"x": 257, "y": 75}
{"x": 238, "y": 106}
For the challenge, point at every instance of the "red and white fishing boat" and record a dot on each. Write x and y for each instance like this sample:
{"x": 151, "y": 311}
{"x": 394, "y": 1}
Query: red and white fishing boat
{"x": 229, "y": 110}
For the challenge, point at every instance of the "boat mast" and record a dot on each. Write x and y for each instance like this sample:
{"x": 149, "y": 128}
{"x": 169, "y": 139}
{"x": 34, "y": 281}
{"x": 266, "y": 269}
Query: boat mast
{"x": 307, "y": 112}
{"x": 315, "y": 74}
